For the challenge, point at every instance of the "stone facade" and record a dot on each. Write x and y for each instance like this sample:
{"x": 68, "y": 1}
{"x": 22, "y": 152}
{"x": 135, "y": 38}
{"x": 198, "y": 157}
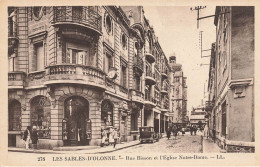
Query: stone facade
{"x": 231, "y": 80}
{"x": 178, "y": 91}
{"x": 75, "y": 70}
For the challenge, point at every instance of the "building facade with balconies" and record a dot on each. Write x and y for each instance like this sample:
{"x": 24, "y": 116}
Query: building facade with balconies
{"x": 230, "y": 105}
{"x": 76, "y": 69}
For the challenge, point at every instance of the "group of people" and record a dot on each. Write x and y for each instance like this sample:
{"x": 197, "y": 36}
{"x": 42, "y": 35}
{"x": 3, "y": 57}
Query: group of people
{"x": 30, "y": 135}
{"x": 193, "y": 131}
{"x": 110, "y": 136}
{"x": 174, "y": 130}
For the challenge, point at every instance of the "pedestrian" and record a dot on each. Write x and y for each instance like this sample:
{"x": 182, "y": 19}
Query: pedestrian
{"x": 111, "y": 138}
{"x": 34, "y": 137}
{"x": 206, "y": 131}
{"x": 195, "y": 130}
{"x": 103, "y": 137}
{"x": 182, "y": 131}
{"x": 27, "y": 137}
{"x": 191, "y": 130}
{"x": 115, "y": 136}
{"x": 168, "y": 132}
{"x": 175, "y": 131}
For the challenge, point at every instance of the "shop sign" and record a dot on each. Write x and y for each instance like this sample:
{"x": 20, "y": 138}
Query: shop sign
{"x": 37, "y": 28}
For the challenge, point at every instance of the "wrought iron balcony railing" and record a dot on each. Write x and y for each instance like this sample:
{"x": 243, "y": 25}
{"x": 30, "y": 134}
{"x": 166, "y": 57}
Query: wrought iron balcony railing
{"x": 86, "y": 16}
{"x": 138, "y": 62}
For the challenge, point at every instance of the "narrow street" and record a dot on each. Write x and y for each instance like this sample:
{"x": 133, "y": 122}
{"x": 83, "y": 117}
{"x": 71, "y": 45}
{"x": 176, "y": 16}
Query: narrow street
{"x": 182, "y": 144}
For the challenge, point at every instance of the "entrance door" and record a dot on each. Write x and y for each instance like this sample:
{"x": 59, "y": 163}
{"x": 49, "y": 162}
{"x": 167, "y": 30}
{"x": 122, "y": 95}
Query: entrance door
{"x": 76, "y": 111}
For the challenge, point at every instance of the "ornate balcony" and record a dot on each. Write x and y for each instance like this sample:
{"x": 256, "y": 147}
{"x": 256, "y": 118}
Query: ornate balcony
{"x": 164, "y": 90}
{"x": 137, "y": 96}
{"x": 36, "y": 79}
{"x": 165, "y": 105}
{"x": 149, "y": 102}
{"x": 75, "y": 74}
{"x": 164, "y": 73}
{"x": 16, "y": 80}
{"x": 138, "y": 65}
{"x": 85, "y": 17}
{"x": 149, "y": 57}
{"x": 150, "y": 78}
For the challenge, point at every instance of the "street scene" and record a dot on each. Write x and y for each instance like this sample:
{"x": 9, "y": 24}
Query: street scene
{"x": 131, "y": 79}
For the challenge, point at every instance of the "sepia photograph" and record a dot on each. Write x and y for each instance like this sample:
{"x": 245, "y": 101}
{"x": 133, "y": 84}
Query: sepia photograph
{"x": 176, "y": 81}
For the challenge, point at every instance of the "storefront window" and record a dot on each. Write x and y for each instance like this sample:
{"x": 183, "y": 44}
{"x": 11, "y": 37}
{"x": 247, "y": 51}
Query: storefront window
{"x": 107, "y": 113}
{"x": 41, "y": 116}
{"x": 14, "y": 116}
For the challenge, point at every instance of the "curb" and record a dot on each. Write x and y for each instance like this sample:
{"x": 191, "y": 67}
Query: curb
{"x": 58, "y": 152}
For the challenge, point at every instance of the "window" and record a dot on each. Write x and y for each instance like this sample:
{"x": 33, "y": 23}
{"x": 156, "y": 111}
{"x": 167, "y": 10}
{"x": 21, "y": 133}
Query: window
{"x": 108, "y": 24}
{"x": 124, "y": 41}
{"x": 123, "y": 76}
{"x": 41, "y": 115}
{"x": 39, "y": 56}
{"x": 14, "y": 115}
{"x": 108, "y": 62}
{"x": 136, "y": 49}
{"x": 176, "y": 79}
{"x": 106, "y": 113}
{"x": 138, "y": 83}
{"x": 76, "y": 54}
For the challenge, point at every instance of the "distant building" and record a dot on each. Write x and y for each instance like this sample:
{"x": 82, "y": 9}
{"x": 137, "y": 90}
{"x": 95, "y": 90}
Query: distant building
{"x": 197, "y": 117}
{"x": 230, "y": 105}
{"x": 178, "y": 92}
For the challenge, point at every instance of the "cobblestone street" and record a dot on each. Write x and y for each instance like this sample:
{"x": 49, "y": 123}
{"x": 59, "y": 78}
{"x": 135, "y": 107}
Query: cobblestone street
{"x": 183, "y": 144}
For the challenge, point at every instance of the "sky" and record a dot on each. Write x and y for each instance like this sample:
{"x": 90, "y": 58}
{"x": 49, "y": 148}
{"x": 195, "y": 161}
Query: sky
{"x": 176, "y": 29}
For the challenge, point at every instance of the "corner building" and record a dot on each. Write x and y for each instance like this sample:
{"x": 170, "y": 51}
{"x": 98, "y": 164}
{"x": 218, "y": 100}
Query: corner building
{"x": 75, "y": 70}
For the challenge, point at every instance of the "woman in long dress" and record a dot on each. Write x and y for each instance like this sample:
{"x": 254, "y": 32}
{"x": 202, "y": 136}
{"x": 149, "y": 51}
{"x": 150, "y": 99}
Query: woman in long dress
{"x": 103, "y": 137}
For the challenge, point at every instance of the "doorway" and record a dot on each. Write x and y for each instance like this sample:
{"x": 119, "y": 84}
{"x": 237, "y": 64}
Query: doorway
{"x": 77, "y": 115}
{"x": 122, "y": 129}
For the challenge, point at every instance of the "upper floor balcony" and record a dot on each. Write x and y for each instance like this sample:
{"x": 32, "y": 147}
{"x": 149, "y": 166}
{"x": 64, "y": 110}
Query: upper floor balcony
{"x": 75, "y": 74}
{"x": 16, "y": 80}
{"x": 138, "y": 64}
{"x": 165, "y": 105}
{"x": 164, "y": 73}
{"x": 149, "y": 56}
{"x": 137, "y": 96}
{"x": 150, "y": 78}
{"x": 86, "y": 17}
{"x": 165, "y": 89}
{"x": 150, "y": 101}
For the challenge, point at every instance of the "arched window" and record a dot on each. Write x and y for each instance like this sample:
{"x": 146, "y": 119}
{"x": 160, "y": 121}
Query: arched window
{"x": 41, "y": 115}
{"x": 106, "y": 113}
{"x": 14, "y": 115}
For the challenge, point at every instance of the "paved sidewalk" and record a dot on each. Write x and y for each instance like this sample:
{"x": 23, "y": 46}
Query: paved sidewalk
{"x": 209, "y": 146}
{"x": 78, "y": 149}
